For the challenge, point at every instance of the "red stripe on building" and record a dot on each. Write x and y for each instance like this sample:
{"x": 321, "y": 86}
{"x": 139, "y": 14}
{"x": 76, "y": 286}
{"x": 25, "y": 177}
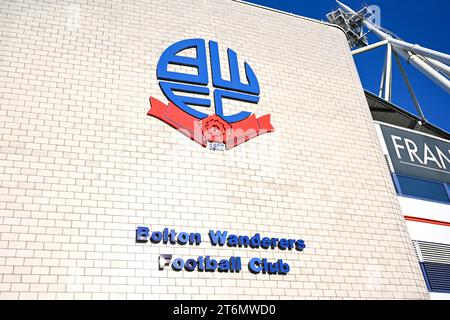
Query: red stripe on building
{"x": 429, "y": 221}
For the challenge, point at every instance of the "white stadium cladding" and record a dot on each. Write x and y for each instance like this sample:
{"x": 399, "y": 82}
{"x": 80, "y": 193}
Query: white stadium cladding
{"x": 83, "y": 167}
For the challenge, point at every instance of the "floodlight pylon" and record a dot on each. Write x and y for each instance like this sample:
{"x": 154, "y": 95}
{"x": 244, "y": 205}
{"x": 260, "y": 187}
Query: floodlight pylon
{"x": 432, "y": 63}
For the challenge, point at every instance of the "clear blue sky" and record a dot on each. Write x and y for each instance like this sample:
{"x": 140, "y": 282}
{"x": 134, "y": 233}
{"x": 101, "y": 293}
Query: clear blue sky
{"x": 422, "y": 22}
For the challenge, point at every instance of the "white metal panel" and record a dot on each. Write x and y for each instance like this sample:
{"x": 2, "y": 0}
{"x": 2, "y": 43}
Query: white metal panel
{"x": 425, "y": 209}
{"x": 439, "y": 296}
{"x": 428, "y": 232}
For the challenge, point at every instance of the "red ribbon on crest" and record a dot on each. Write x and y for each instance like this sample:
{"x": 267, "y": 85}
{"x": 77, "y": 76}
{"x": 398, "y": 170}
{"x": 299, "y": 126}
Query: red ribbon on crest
{"x": 212, "y": 128}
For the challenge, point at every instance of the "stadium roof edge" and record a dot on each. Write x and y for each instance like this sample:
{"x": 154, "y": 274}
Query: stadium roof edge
{"x": 387, "y": 112}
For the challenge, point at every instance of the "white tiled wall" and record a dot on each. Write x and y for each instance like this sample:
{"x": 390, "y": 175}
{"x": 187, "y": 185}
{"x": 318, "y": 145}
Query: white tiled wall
{"x": 81, "y": 164}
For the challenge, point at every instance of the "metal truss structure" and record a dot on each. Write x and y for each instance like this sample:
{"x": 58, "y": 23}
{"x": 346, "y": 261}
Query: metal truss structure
{"x": 433, "y": 64}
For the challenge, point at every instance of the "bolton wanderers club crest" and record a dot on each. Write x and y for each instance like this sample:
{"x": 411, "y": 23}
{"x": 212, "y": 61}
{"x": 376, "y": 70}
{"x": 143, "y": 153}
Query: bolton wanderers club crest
{"x": 217, "y": 131}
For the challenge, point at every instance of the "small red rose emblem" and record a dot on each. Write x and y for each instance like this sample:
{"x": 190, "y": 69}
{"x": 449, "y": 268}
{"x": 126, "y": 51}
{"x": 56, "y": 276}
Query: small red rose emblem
{"x": 215, "y": 129}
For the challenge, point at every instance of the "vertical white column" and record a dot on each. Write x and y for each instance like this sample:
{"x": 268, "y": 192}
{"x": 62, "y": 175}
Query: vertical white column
{"x": 388, "y": 79}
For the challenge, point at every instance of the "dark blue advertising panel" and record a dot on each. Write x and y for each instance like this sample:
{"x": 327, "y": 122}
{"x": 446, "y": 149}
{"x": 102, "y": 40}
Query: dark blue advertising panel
{"x": 417, "y": 155}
